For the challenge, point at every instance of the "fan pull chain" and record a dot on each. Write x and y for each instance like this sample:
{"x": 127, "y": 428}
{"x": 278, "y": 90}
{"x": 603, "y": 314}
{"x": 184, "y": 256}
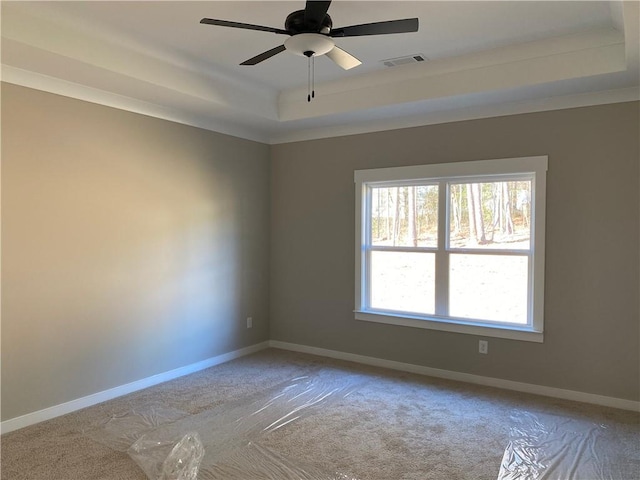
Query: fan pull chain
{"x": 311, "y": 73}
{"x": 309, "y": 78}
{"x": 313, "y": 77}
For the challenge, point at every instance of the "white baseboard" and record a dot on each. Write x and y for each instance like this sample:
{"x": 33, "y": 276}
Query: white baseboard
{"x": 80, "y": 403}
{"x": 73, "y": 405}
{"x": 464, "y": 377}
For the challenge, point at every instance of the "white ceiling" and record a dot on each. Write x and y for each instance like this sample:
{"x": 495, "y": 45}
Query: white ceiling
{"x": 484, "y": 59}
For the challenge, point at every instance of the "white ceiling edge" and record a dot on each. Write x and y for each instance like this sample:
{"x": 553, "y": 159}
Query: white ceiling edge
{"x": 463, "y": 114}
{"x": 28, "y": 39}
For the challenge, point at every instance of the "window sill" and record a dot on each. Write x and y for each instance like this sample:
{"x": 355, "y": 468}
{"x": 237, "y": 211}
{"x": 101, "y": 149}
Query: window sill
{"x": 512, "y": 333}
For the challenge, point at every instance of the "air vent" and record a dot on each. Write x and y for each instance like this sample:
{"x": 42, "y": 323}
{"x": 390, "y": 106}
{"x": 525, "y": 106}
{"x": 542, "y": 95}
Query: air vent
{"x": 394, "y": 62}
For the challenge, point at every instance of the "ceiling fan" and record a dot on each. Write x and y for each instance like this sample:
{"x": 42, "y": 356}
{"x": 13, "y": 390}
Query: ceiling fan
{"x": 311, "y": 34}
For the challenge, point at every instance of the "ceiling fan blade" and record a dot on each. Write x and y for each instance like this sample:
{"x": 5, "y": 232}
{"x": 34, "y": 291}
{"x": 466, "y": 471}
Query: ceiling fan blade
{"x": 343, "y": 59}
{"x": 246, "y": 26}
{"x": 264, "y": 55}
{"x": 378, "y": 28}
{"x": 314, "y": 13}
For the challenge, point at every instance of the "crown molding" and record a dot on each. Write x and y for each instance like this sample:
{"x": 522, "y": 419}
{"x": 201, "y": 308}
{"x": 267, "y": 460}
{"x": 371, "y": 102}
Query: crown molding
{"x": 462, "y": 114}
{"x": 273, "y": 135}
{"x": 45, "y": 83}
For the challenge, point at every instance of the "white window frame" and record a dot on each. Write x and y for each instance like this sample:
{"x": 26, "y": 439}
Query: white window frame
{"x": 477, "y": 171}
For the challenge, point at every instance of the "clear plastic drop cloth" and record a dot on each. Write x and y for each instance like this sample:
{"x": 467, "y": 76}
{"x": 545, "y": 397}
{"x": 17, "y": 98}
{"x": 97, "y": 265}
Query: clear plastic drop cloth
{"x": 550, "y": 447}
{"x": 169, "y": 461}
{"x": 255, "y": 461}
{"x": 121, "y": 430}
{"x": 223, "y": 442}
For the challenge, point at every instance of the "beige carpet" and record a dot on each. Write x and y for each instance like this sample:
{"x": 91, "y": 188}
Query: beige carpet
{"x": 259, "y": 420}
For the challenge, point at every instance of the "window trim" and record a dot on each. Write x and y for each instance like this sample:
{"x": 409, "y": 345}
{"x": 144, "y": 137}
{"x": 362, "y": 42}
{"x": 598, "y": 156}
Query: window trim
{"x": 434, "y": 173}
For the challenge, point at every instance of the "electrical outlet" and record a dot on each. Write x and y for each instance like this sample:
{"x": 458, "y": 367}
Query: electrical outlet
{"x": 249, "y": 322}
{"x": 483, "y": 346}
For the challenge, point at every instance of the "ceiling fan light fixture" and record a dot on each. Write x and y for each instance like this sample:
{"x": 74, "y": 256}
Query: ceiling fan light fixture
{"x": 303, "y": 43}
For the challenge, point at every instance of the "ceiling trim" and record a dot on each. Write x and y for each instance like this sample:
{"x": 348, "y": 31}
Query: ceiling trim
{"x": 462, "y": 114}
{"x": 65, "y": 88}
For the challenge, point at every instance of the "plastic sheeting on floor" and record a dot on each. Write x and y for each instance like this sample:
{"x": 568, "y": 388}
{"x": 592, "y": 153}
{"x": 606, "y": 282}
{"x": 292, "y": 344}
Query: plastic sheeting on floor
{"x": 550, "y": 447}
{"x": 228, "y": 442}
{"x": 223, "y": 442}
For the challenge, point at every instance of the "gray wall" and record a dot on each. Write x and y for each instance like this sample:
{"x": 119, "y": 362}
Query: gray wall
{"x": 591, "y": 295}
{"x": 130, "y": 246}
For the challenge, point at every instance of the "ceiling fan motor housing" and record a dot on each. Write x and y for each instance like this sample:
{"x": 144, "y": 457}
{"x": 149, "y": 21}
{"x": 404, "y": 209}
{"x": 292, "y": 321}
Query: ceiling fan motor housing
{"x": 295, "y": 24}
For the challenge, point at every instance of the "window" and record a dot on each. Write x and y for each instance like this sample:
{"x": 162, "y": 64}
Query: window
{"x": 456, "y": 247}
